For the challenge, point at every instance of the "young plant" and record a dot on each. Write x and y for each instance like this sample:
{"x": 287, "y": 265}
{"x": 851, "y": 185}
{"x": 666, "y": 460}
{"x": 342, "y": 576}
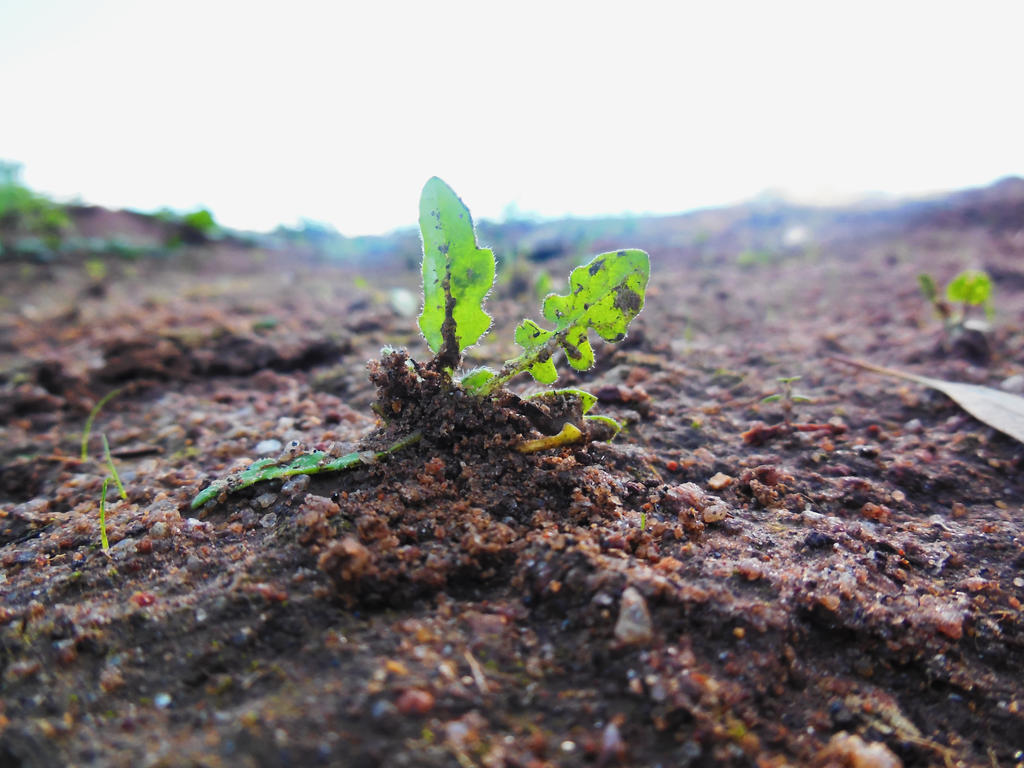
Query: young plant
{"x": 971, "y": 288}
{"x": 787, "y": 397}
{"x": 604, "y": 296}
{"x": 966, "y": 336}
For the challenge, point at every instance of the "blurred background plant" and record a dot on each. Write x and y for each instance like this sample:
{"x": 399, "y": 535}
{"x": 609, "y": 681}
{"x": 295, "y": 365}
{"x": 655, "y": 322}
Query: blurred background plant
{"x": 967, "y": 336}
{"x": 29, "y": 221}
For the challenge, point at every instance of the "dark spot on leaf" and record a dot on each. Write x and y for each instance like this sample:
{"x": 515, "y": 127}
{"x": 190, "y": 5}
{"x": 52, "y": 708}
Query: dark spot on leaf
{"x": 596, "y": 267}
{"x": 628, "y": 301}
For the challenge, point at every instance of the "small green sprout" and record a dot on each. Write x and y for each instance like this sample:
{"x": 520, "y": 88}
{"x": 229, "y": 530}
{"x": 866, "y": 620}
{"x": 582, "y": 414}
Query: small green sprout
{"x": 787, "y": 397}
{"x": 970, "y": 288}
{"x": 604, "y": 296}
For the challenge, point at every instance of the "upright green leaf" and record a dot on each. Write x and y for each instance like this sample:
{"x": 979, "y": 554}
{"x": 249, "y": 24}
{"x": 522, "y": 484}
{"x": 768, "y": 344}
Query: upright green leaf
{"x": 456, "y": 275}
{"x": 604, "y": 294}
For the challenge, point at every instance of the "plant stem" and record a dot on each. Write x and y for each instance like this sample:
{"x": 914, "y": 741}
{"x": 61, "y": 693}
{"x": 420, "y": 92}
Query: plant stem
{"x": 522, "y": 363}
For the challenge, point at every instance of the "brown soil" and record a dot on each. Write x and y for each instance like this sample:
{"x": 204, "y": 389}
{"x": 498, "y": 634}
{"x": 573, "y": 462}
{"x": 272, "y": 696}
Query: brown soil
{"x": 718, "y": 586}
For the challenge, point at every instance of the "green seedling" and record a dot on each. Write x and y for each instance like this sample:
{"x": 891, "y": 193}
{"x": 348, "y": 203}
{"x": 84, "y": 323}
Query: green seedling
{"x": 787, "y": 397}
{"x": 102, "y": 516}
{"x": 604, "y": 295}
{"x": 966, "y": 336}
{"x": 971, "y": 288}
{"x": 87, "y": 430}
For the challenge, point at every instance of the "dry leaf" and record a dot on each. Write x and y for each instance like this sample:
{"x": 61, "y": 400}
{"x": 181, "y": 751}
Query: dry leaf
{"x": 1000, "y": 410}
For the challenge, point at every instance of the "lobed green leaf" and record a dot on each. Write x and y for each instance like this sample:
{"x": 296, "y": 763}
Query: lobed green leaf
{"x": 604, "y": 294}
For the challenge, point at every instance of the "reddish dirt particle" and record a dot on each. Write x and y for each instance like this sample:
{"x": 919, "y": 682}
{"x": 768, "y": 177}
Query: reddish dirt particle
{"x": 143, "y": 599}
{"x": 876, "y": 512}
{"x": 270, "y": 593}
{"x": 346, "y": 560}
{"x": 415, "y": 701}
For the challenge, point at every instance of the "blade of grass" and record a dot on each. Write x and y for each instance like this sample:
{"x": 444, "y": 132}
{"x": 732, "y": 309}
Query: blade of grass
{"x": 113, "y": 469}
{"x": 87, "y": 430}
{"x": 103, "y": 516}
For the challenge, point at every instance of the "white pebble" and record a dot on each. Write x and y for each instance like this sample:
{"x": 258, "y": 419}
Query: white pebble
{"x": 265, "y": 447}
{"x": 634, "y": 626}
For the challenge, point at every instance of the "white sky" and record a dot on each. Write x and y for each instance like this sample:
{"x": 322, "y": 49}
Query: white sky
{"x": 340, "y": 111}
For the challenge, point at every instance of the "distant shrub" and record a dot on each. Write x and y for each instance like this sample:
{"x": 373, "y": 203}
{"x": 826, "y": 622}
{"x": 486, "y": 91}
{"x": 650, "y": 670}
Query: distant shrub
{"x": 25, "y": 214}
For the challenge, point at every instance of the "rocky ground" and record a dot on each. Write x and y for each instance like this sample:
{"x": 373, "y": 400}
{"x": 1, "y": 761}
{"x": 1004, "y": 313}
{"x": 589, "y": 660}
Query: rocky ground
{"x": 832, "y": 579}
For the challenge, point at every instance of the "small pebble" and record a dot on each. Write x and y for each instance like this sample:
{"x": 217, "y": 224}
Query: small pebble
{"x": 264, "y": 500}
{"x": 159, "y": 530}
{"x": 634, "y": 626}
{"x": 612, "y": 746}
{"x": 382, "y": 709}
{"x": 719, "y": 480}
{"x": 266, "y": 447}
{"x": 162, "y": 700}
{"x": 269, "y": 520}
{"x": 295, "y": 485}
